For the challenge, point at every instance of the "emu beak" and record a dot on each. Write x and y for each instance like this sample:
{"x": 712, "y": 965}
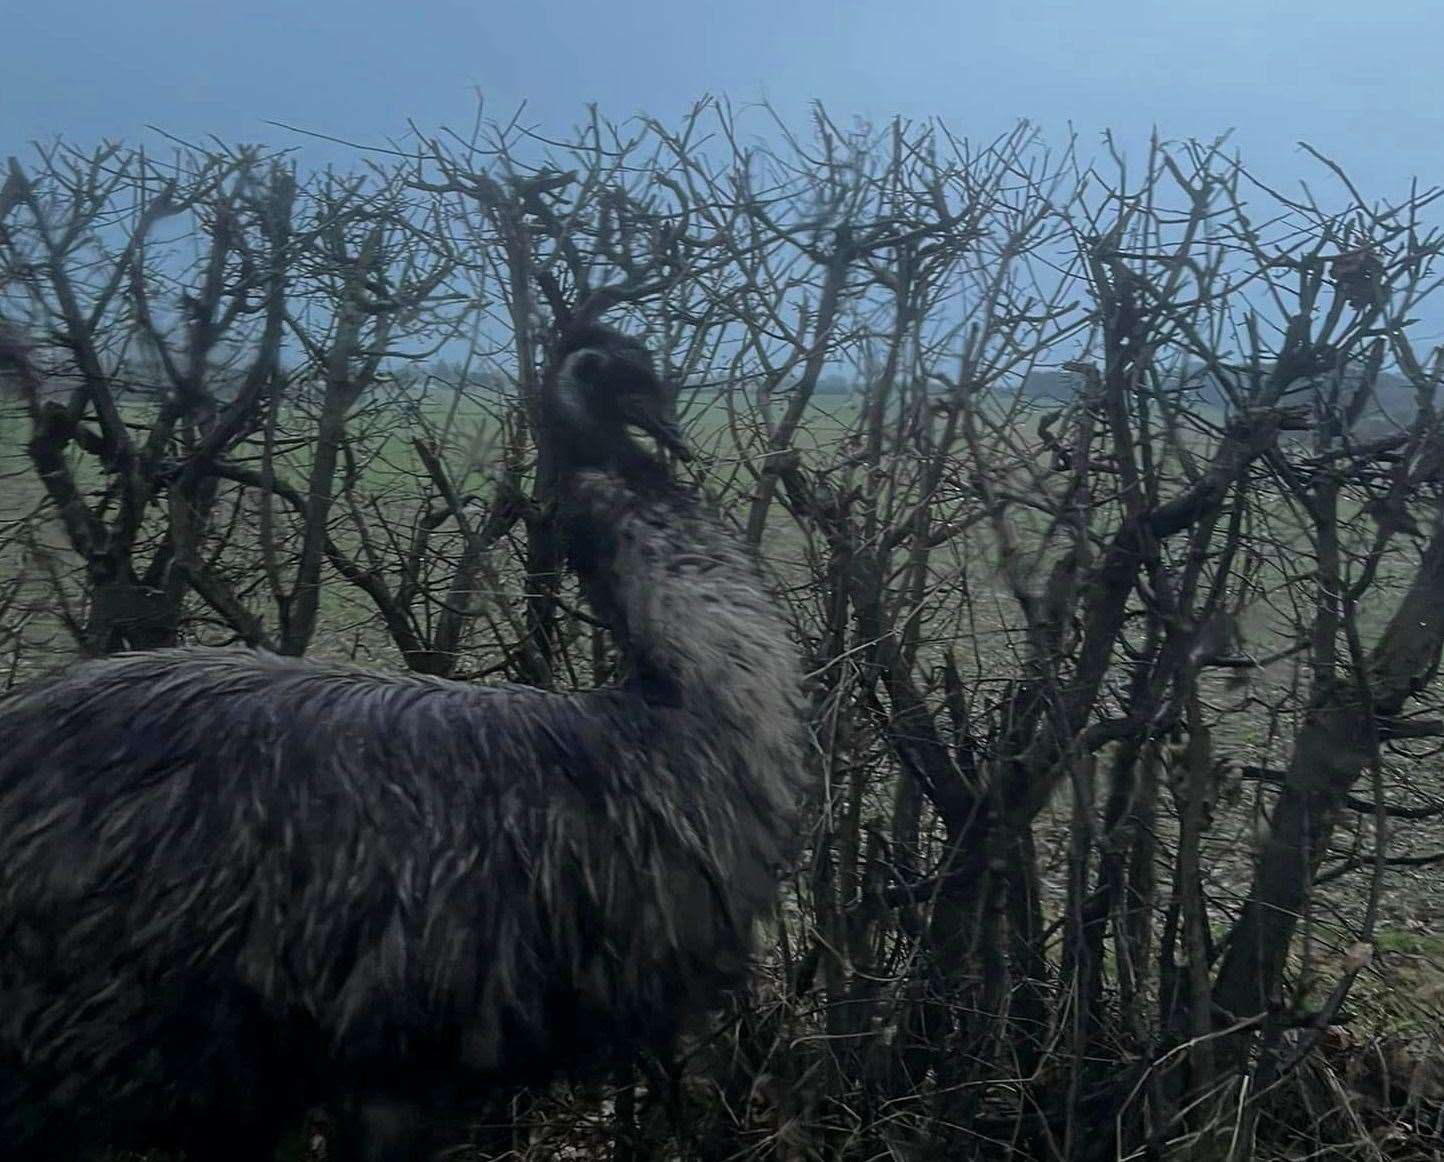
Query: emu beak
{"x": 669, "y": 435}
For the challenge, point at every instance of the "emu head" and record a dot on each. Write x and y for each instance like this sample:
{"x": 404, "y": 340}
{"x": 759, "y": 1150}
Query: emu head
{"x": 605, "y": 389}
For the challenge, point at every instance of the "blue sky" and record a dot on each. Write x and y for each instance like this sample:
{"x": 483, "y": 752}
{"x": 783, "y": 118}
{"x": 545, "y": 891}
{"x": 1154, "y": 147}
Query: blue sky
{"x": 1362, "y": 81}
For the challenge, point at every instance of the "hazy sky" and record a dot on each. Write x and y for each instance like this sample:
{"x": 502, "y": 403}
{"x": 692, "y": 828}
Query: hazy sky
{"x": 1361, "y": 80}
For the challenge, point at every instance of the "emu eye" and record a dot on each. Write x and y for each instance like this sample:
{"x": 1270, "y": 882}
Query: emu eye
{"x": 589, "y": 363}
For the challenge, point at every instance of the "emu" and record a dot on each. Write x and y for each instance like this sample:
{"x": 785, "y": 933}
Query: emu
{"x": 234, "y": 886}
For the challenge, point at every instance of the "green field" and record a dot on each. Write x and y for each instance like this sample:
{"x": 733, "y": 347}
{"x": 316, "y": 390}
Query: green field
{"x": 37, "y": 574}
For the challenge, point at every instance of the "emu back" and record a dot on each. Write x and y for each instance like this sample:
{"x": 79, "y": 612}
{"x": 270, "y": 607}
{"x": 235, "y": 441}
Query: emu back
{"x": 233, "y": 885}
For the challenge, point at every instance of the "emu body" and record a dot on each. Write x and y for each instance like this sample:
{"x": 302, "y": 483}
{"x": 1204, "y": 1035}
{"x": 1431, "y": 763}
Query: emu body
{"x": 233, "y": 885}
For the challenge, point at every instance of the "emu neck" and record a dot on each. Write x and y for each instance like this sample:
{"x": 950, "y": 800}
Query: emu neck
{"x": 688, "y": 604}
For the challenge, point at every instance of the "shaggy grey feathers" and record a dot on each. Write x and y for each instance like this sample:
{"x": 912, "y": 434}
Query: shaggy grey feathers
{"x": 233, "y": 884}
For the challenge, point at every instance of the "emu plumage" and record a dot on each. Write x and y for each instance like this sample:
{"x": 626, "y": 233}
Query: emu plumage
{"x": 233, "y": 885}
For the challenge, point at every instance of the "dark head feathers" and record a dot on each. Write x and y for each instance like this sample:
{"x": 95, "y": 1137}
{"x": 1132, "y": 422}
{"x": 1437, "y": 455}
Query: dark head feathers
{"x": 601, "y": 337}
{"x": 603, "y": 386}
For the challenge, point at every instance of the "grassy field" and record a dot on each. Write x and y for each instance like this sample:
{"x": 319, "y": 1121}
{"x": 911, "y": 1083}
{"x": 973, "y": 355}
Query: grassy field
{"x": 1405, "y": 988}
